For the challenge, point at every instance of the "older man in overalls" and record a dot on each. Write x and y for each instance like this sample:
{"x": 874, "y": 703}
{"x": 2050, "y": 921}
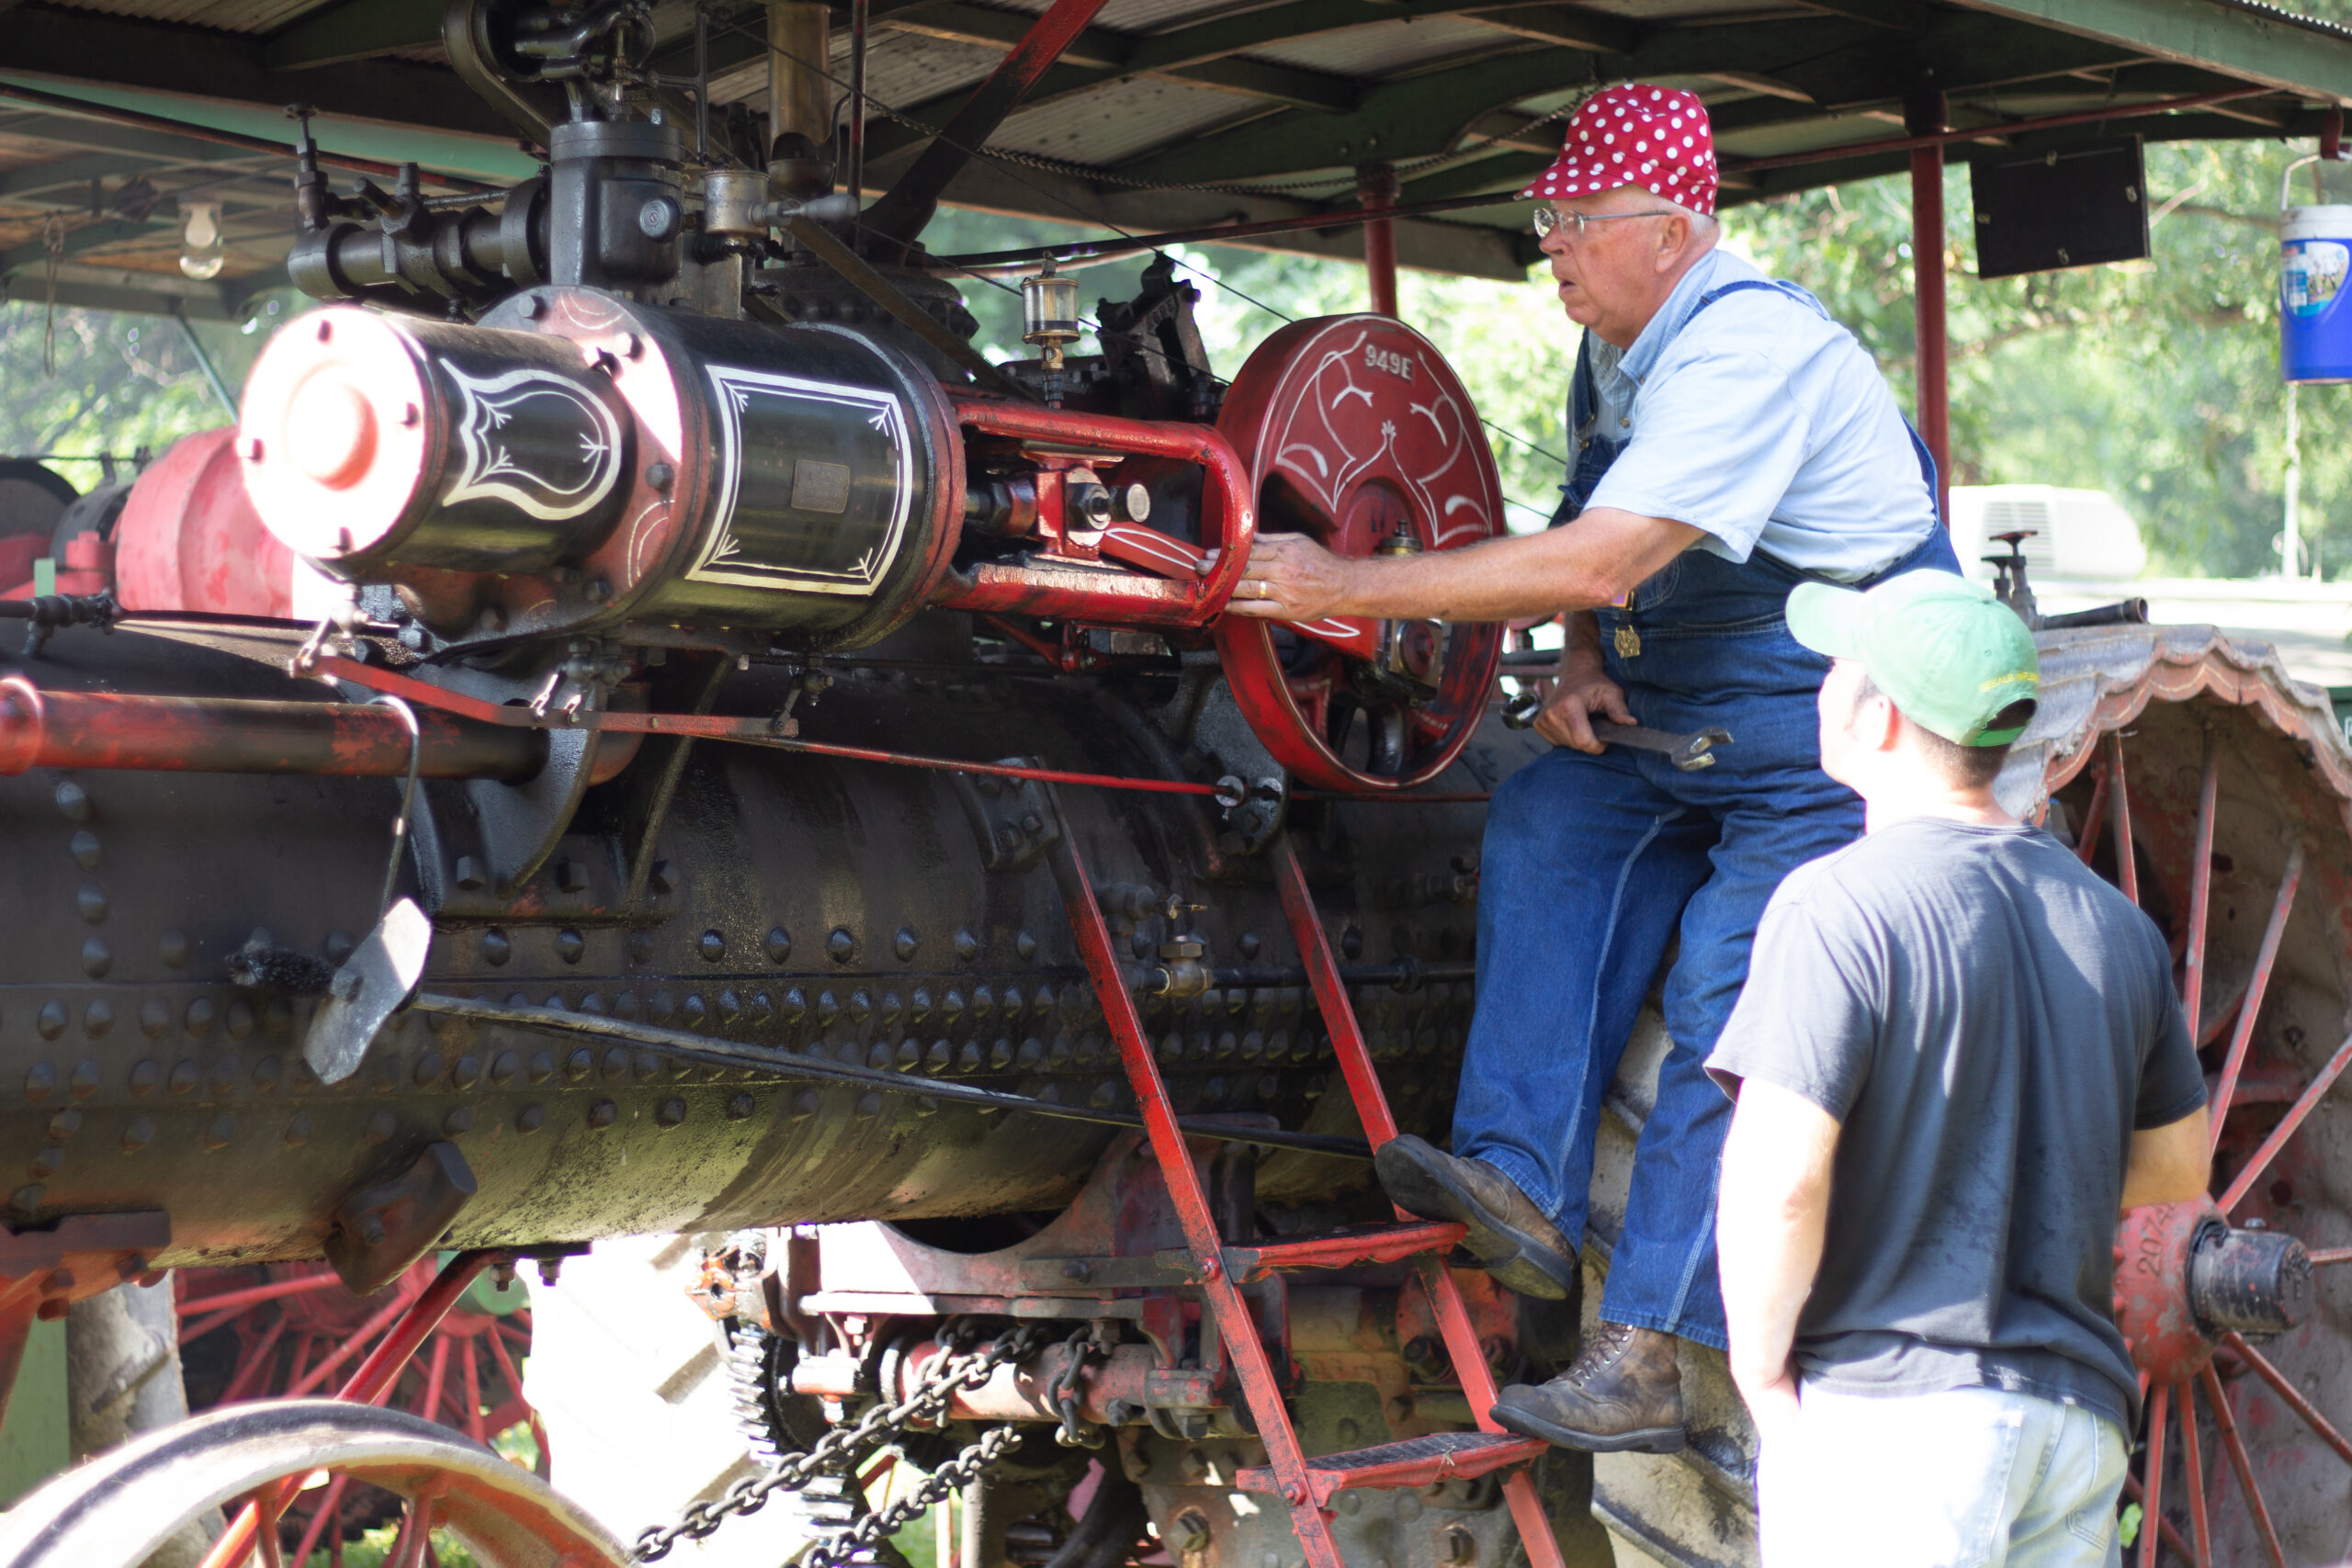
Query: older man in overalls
{"x": 1731, "y": 442}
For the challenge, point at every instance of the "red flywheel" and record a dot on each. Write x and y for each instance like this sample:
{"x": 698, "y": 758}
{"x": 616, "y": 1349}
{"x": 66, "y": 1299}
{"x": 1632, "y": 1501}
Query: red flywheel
{"x": 1358, "y": 435}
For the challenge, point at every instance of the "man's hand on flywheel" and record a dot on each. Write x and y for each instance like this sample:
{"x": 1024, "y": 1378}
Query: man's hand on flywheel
{"x": 1290, "y": 578}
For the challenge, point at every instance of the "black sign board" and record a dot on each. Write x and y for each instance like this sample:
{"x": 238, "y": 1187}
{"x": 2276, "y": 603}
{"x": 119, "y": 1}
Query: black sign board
{"x": 2040, "y": 211}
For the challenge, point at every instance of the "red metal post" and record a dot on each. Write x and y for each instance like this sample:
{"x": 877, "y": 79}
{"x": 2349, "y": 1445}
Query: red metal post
{"x": 1924, "y": 115}
{"x": 1377, "y": 187}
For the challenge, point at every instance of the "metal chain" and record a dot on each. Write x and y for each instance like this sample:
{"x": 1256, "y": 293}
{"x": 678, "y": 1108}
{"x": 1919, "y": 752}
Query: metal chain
{"x": 952, "y": 1476}
{"x": 947, "y": 1377}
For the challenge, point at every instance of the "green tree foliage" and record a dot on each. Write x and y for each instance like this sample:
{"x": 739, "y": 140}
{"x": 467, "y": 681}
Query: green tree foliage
{"x": 123, "y": 382}
{"x": 2157, "y": 380}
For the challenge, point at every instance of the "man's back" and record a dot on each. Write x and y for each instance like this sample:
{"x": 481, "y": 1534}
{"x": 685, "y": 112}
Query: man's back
{"x": 1989, "y": 1023}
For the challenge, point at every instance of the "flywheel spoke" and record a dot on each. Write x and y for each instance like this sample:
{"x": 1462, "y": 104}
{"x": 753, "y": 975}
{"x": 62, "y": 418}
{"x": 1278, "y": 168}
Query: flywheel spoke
{"x": 2094, "y": 816}
{"x": 2132, "y": 1491}
{"x": 2201, "y": 885}
{"x": 2192, "y": 1464}
{"x": 2118, "y": 809}
{"x": 2291, "y": 1395}
{"x": 2227, "y": 1426}
{"x": 2288, "y": 1126}
{"x": 329, "y": 1516}
{"x": 2256, "y": 985}
{"x": 2152, "y": 1510}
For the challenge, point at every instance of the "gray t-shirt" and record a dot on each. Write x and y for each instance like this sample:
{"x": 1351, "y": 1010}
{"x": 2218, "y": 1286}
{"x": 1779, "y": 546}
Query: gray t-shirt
{"x": 1989, "y": 1023}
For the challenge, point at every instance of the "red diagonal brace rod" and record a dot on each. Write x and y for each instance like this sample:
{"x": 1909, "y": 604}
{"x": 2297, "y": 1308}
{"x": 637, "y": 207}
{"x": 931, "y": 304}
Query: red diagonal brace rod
{"x": 1379, "y": 1127}
{"x": 1235, "y": 1321}
{"x": 367, "y": 1386}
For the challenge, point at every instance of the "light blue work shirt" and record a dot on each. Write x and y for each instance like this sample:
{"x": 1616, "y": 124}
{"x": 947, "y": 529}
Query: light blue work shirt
{"x": 1763, "y": 423}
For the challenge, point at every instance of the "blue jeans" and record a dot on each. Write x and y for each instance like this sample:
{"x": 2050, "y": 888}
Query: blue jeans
{"x": 1964, "y": 1478}
{"x": 1592, "y": 864}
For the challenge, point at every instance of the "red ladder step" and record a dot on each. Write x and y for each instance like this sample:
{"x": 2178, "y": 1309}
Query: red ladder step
{"x": 1416, "y": 1461}
{"x": 1342, "y": 1249}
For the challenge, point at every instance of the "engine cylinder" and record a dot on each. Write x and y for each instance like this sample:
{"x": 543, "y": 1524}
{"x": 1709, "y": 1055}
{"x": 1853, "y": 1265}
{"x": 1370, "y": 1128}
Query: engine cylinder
{"x": 577, "y": 461}
{"x": 369, "y": 441}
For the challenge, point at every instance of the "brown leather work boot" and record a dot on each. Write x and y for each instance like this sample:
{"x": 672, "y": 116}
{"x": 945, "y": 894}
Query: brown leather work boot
{"x": 1624, "y": 1392}
{"x": 1508, "y": 1235}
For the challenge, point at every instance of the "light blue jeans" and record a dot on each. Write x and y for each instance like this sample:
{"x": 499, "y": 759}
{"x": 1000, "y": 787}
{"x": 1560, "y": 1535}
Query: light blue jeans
{"x": 1967, "y": 1477}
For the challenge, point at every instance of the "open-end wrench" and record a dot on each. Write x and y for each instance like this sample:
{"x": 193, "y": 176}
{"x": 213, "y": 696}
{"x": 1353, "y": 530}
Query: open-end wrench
{"x": 1687, "y": 752}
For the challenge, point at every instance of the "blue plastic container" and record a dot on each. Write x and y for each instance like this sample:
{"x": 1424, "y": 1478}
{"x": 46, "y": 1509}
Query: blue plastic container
{"x": 2314, "y": 306}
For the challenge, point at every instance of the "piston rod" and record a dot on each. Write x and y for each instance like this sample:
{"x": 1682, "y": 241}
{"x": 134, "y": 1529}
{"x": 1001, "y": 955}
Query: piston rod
{"x": 48, "y": 728}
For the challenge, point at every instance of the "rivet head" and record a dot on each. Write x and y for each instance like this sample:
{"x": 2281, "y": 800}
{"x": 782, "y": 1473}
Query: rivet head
{"x": 97, "y": 1018}
{"x": 779, "y": 945}
{"x": 503, "y": 1068}
{"x": 531, "y": 1118}
{"x": 51, "y": 1020}
{"x": 671, "y": 1112}
{"x": 84, "y": 1081}
{"x": 603, "y": 1114}
{"x": 578, "y": 1064}
{"x": 340, "y": 945}
{"x": 841, "y": 946}
{"x": 144, "y": 1077}
{"x": 240, "y": 1019}
{"x": 569, "y": 945}
{"x": 73, "y": 800}
{"x": 1025, "y": 945}
{"x": 97, "y": 957}
{"x": 967, "y": 946}
{"x": 496, "y": 948}
{"x": 199, "y": 1015}
{"x": 220, "y": 1131}
{"x": 459, "y": 1122}
{"x": 803, "y": 1105}
{"x": 616, "y": 1063}
{"x": 40, "y": 1082}
{"x": 468, "y": 1072}
{"x": 154, "y": 1017}
{"x": 903, "y": 944}
{"x": 298, "y": 1131}
{"x": 712, "y": 946}
{"x": 136, "y": 1134}
{"x": 381, "y": 1125}
{"x": 26, "y": 1199}
{"x": 172, "y": 948}
{"x": 91, "y": 901}
{"x": 85, "y": 848}
{"x": 739, "y": 1107}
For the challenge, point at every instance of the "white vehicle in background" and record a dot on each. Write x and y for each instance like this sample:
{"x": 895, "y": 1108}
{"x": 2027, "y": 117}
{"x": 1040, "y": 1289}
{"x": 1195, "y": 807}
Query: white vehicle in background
{"x": 2079, "y": 535}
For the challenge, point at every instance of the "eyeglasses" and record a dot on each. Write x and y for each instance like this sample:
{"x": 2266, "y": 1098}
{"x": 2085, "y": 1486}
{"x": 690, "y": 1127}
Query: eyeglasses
{"x": 1550, "y": 218}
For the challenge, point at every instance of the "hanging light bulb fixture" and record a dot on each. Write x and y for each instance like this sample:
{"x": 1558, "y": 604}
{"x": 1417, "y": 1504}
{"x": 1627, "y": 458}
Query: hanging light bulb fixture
{"x": 201, "y": 251}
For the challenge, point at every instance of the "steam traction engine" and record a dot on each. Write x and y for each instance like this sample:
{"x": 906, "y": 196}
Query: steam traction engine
{"x": 662, "y": 737}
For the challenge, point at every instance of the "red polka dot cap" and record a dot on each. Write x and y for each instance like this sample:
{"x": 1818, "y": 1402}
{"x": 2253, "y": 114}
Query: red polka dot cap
{"x": 1656, "y": 138}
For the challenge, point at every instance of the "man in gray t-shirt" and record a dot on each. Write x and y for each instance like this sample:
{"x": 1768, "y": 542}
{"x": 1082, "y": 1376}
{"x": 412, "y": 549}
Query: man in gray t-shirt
{"x": 1957, "y": 1058}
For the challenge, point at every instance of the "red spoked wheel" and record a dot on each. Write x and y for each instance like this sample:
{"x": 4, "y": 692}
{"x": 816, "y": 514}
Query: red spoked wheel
{"x": 2216, "y": 799}
{"x": 291, "y": 1331}
{"x": 1358, "y": 434}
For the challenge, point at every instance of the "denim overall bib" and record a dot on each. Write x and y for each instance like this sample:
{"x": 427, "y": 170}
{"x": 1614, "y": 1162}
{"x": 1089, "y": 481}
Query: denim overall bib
{"x": 1593, "y": 865}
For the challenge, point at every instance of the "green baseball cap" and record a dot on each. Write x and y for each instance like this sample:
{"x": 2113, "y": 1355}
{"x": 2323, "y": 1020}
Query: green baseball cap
{"x": 1952, "y": 656}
